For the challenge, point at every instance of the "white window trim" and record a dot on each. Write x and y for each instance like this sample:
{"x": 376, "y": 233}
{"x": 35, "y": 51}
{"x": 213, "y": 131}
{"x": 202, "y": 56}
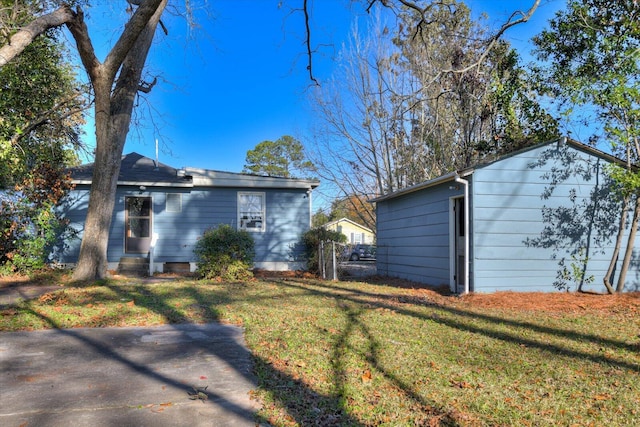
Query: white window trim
{"x": 263, "y": 214}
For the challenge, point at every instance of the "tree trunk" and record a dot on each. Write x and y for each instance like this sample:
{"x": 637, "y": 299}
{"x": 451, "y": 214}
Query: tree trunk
{"x": 113, "y": 118}
{"x": 616, "y": 250}
{"x": 630, "y": 246}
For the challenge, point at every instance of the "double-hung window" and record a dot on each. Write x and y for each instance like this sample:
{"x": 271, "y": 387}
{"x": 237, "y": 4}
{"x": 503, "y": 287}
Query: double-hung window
{"x": 251, "y": 211}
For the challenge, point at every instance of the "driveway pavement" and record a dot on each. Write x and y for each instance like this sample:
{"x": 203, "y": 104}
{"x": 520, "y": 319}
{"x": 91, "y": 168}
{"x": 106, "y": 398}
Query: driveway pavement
{"x": 126, "y": 377}
{"x": 358, "y": 269}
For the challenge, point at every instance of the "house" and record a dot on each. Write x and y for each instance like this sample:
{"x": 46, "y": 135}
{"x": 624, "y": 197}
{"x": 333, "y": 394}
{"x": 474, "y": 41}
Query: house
{"x": 539, "y": 219}
{"x": 354, "y": 232}
{"x": 160, "y": 212}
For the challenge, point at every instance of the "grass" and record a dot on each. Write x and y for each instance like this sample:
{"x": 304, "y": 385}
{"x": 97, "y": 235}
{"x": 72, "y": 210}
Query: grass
{"x": 359, "y": 354}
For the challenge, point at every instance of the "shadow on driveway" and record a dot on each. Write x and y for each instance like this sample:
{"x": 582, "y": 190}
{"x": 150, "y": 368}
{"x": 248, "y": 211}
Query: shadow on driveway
{"x": 130, "y": 376}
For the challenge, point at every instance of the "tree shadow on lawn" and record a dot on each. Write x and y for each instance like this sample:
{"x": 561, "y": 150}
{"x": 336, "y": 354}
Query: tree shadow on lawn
{"x": 303, "y": 405}
{"x": 403, "y": 307}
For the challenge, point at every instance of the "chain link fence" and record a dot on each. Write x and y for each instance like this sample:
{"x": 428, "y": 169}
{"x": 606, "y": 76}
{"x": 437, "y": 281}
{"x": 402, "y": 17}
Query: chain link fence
{"x": 329, "y": 259}
{"x": 335, "y": 262}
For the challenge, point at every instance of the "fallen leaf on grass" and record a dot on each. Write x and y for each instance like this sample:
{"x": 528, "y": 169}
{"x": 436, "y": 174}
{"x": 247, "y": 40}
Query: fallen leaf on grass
{"x": 461, "y": 384}
{"x": 602, "y": 396}
{"x": 366, "y": 377}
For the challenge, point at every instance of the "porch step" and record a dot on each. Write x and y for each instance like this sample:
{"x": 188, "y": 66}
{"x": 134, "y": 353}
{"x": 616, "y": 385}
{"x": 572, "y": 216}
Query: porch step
{"x": 133, "y": 266}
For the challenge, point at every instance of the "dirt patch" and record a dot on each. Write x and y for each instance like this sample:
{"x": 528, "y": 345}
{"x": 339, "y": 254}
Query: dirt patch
{"x": 565, "y": 302}
{"x": 557, "y": 302}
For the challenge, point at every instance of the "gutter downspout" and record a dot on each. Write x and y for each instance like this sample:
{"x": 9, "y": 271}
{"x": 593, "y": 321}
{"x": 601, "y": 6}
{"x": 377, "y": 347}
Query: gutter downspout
{"x": 465, "y": 183}
{"x": 309, "y": 195}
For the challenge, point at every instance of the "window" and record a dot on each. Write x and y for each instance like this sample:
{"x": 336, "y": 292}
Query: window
{"x": 174, "y": 202}
{"x": 251, "y": 211}
{"x": 139, "y": 217}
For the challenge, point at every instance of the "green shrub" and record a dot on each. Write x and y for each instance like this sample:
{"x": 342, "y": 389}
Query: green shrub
{"x": 226, "y": 253}
{"x": 27, "y": 233}
{"x": 312, "y": 239}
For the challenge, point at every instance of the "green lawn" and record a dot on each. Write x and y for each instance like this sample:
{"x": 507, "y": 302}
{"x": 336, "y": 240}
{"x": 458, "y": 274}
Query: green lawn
{"x": 350, "y": 353}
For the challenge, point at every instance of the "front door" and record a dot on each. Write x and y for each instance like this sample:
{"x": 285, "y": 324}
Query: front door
{"x": 138, "y": 230}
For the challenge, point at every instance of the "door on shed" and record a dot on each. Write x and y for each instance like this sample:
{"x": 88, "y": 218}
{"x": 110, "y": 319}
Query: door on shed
{"x": 457, "y": 253}
{"x": 138, "y": 223}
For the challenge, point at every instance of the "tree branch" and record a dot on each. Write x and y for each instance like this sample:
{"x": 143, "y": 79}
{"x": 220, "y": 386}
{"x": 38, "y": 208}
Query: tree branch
{"x": 80, "y": 33}
{"x": 494, "y": 39}
{"x": 128, "y": 38}
{"x": 308, "y": 43}
{"x": 21, "y": 39}
{"x": 146, "y": 87}
{"x": 46, "y": 117}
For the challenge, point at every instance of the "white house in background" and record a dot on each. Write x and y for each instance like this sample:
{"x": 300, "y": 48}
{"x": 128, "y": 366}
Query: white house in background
{"x": 355, "y": 232}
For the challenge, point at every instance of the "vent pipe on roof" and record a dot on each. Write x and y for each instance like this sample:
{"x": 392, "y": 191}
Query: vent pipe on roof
{"x": 156, "y": 161}
{"x": 562, "y": 141}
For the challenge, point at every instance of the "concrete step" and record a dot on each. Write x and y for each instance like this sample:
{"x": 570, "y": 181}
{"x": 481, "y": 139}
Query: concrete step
{"x": 133, "y": 266}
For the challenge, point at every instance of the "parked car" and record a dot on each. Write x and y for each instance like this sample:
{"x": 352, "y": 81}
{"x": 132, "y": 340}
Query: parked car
{"x": 359, "y": 251}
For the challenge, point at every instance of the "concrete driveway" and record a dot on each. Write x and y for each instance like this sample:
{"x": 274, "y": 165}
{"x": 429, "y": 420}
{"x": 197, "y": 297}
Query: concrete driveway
{"x": 127, "y": 377}
{"x": 358, "y": 269}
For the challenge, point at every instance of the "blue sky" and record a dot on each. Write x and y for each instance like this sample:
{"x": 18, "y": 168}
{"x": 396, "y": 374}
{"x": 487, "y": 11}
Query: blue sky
{"x": 241, "y": 79}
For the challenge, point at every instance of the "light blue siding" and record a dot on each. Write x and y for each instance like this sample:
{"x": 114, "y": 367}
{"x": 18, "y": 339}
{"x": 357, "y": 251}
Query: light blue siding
{"x": 287, "y": 218}
{"x": 532, "y": 220}
{"x": 413, "y": 236}
{"x": 540, "y": 219}
{"x": 74, "y": 208}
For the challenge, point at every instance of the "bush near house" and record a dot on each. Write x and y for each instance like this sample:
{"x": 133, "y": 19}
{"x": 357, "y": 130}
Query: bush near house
{"x": 312, "y": 239}
{"x": 226, "y": 253}
{"x": 27, "y": 233}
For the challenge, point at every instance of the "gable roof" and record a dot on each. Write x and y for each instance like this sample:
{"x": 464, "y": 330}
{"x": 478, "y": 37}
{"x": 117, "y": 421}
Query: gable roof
{"x": 136, "y": 169}
{"x": 455, "y": 175}
{"x": 337, "y": 221}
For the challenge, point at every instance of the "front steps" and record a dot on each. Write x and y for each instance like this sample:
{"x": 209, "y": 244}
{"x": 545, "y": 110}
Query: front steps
{"x": 134, "y": 266}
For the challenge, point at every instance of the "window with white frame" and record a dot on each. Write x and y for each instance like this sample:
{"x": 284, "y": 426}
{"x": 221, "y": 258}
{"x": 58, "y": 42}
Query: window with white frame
{"x": 251, "y": 211}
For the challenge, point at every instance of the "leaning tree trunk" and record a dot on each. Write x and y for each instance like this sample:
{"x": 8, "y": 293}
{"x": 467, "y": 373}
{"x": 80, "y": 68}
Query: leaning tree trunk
{"x": 630, "y": 246}
{"x": 616, "y": 250}
{"x": 113, "y": 118}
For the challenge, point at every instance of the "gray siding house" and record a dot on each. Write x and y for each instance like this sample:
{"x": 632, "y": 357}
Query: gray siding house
{"x": 160, "y": 212}
{"x": 540, "y": 219}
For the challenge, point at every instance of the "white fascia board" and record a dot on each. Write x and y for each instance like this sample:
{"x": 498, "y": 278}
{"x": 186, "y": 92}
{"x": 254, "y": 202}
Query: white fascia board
{"x": 439, "y": 180}
{"x": 139, "y": 183}
{"x": 211, "y": 178}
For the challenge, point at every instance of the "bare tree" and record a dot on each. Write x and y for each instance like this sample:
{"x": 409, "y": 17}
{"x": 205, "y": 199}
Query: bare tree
{"x": 405, "y": 106}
